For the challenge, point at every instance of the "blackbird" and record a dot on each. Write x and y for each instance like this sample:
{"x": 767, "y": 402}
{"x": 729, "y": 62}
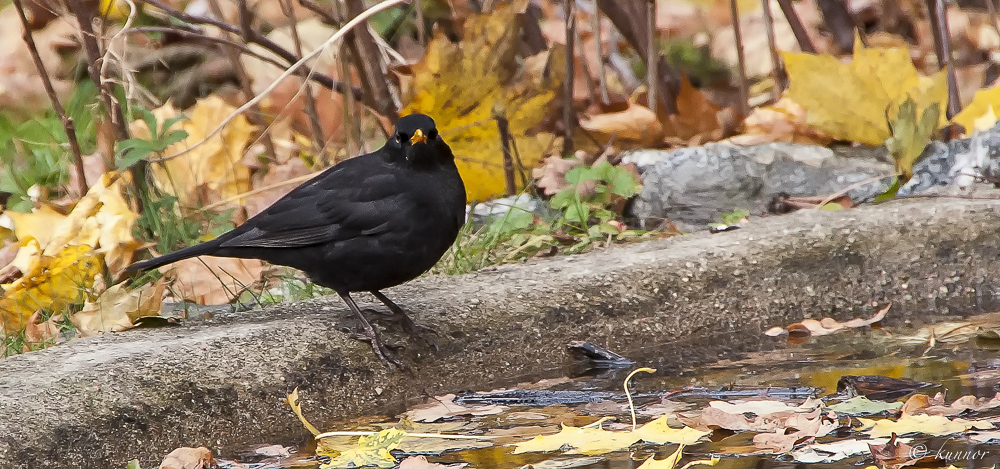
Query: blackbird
{"x": 368, "y": 223}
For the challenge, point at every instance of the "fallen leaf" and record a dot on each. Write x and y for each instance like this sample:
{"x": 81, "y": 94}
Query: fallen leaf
{"x": 855, "y": 101}
{"x": 983, "y": 104}
{"x": 636, "y": 124}
{"x": 585, "y": 440}
{"x": 442, "y": 407}
{"x": 829, "y": 325}
{"x": 936, "y": 425}
{"x": 372, "y": 450}
{"x": 188, "y": 458}
{"x": 861, "y": 405}
{"x": 118, "y": 309}
{"x": 213, "y": 280}
{"x": 207, "y": 173}
{"x": 837, "y": 450}
{"x": 41, "y": 332}
{"x": 465, "y": 85}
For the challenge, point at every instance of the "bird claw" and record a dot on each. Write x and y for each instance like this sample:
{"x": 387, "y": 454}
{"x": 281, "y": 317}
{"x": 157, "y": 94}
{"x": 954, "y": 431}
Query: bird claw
{"x": 386, "y": 353}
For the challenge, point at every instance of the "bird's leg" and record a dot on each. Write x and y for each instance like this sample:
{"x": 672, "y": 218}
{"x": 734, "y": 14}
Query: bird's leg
{"x": 405, "y": 321}
{"x": 378, "y": 346}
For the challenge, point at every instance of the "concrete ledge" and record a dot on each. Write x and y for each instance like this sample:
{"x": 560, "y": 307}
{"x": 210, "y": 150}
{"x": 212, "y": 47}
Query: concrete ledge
{"x": 95, "y": 403}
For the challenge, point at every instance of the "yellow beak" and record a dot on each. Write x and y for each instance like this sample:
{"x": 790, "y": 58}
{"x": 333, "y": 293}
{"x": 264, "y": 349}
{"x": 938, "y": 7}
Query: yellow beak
{"x": 418, "y": 137}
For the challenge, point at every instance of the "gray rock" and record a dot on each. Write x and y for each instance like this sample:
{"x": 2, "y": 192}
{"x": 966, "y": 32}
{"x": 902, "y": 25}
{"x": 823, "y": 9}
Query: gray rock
{"x": 694, "y": 186}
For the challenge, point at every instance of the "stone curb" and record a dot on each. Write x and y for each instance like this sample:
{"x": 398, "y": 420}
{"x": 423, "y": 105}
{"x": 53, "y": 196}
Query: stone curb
{"x": 99, "y": 402}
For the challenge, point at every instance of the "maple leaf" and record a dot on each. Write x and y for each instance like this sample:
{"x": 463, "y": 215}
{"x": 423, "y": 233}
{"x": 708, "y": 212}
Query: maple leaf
{"x": 463, "y": 86}
{"x": 856, "y": 101}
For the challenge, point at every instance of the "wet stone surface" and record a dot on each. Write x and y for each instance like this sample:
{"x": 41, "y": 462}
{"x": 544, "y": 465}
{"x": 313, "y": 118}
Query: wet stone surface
{"x": 98, "y": 402}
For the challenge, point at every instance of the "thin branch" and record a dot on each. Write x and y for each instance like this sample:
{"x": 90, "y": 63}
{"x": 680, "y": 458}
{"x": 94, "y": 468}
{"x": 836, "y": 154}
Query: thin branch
{"x": 67, "y": 121}
{"x": 256, "y": 37}
{"x": 776, "y": 68}
{"x": 318, "y": 138}
{"x": 568, "y": 120}
{"x": 595, "y": 25}
{"x": 652, "y": 55}
{"x": 801, "y": 36}
{"x": 744, "y": 105}
{"x": 291, "y": 70}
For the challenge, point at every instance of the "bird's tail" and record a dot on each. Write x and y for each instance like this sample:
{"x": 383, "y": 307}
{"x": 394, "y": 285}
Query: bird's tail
{"x": 193, "y": 251}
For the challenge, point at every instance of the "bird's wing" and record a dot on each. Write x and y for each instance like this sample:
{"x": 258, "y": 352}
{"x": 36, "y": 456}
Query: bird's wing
{"x": 346, "y": 201}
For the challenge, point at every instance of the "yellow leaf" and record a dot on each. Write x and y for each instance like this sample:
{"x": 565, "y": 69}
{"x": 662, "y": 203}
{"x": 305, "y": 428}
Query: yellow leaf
{"x": 293, "y": 401}
{"x": 985, "y": 101}
{"x": 211, "y": 171}
{"x": 658, "y": 432}
{"x": 586, "y": 440}
{"x": 372, "y": 450}
{"x": 581, "y": 440}
{"x": 462, "y": 86}
{"x": 37, "y": 225}
{"x": 937, "y": 425}
{"x": 51, "y": 284}
{"x": 856, "y": 101}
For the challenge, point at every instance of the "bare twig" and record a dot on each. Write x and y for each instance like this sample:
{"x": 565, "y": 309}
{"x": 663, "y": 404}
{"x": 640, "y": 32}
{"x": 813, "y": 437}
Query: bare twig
{"x": 317, "y": 128}
{"x": 734, "y": 13}
{"x": 508, "y": 160}
{"x": 324, "y": 15}
{"x": 291, "y": 70}
{"x": 794, "y": 22}
{"x": 201, "y": 36}
{"x": 652, "y": 55}
{"x": 261, "y": 40}
{"x": 368, "y": 59}
{"x": 776, "y": 69}
{"x": 629, "y": 18}
{"x": 595, "y": 25}
{"x": 254, "y": 116}
{"x": 67, "y": 121}
{"x": 942, "y": 47}
{"x": 568, "y": 114}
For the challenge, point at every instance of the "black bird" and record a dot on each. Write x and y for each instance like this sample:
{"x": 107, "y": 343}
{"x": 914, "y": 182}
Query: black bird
{"x": 368, "y": 223}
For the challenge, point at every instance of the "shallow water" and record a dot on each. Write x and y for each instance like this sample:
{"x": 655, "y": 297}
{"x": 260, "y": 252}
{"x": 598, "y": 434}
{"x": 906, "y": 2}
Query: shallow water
{"x": 968, "y": 367}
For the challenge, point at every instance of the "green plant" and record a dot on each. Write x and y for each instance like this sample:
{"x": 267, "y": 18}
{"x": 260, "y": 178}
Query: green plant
{"x": 134, "y": 149}
{"x": 35, "y": 154}
{"x": 586, "y": 213}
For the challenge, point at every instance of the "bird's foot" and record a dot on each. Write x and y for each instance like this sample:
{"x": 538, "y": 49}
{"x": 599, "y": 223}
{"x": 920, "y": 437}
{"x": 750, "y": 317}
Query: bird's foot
{"x": 415, "y": 330}
{"x": 412, "y": 328}
{"x": 386, "y": 353}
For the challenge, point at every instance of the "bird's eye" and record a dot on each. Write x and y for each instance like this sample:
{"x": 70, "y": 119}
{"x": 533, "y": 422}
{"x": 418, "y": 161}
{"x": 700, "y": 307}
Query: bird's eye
{"x": 401, "y": 137}
{"x": 432, "y": 134}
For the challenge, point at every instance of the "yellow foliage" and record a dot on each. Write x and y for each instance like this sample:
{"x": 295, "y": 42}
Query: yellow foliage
{"x": 462, "y": 86}
{"x": 211, "y": 171}
{"x": 52, "y": 283}
{"x": 856, "y": 101}
{"x": 585, "y": 440}
{"x": 984, "y": 104}
{"x": 60, "y": 255}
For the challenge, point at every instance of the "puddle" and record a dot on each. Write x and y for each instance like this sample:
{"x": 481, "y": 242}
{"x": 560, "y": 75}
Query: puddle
{"x": 969, "y": 366}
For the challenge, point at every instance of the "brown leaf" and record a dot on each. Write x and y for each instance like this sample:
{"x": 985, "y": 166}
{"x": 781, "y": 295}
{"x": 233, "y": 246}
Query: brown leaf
{"x": 551, "y": 177}
{"x": 188, "y": 458}
{"x": 38, "y": 332}
{"x": 214, "y": 280}
{"x": 637, "y": 124}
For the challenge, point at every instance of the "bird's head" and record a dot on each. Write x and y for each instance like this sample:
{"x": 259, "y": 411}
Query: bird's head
{"x": 418, "y": 137}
